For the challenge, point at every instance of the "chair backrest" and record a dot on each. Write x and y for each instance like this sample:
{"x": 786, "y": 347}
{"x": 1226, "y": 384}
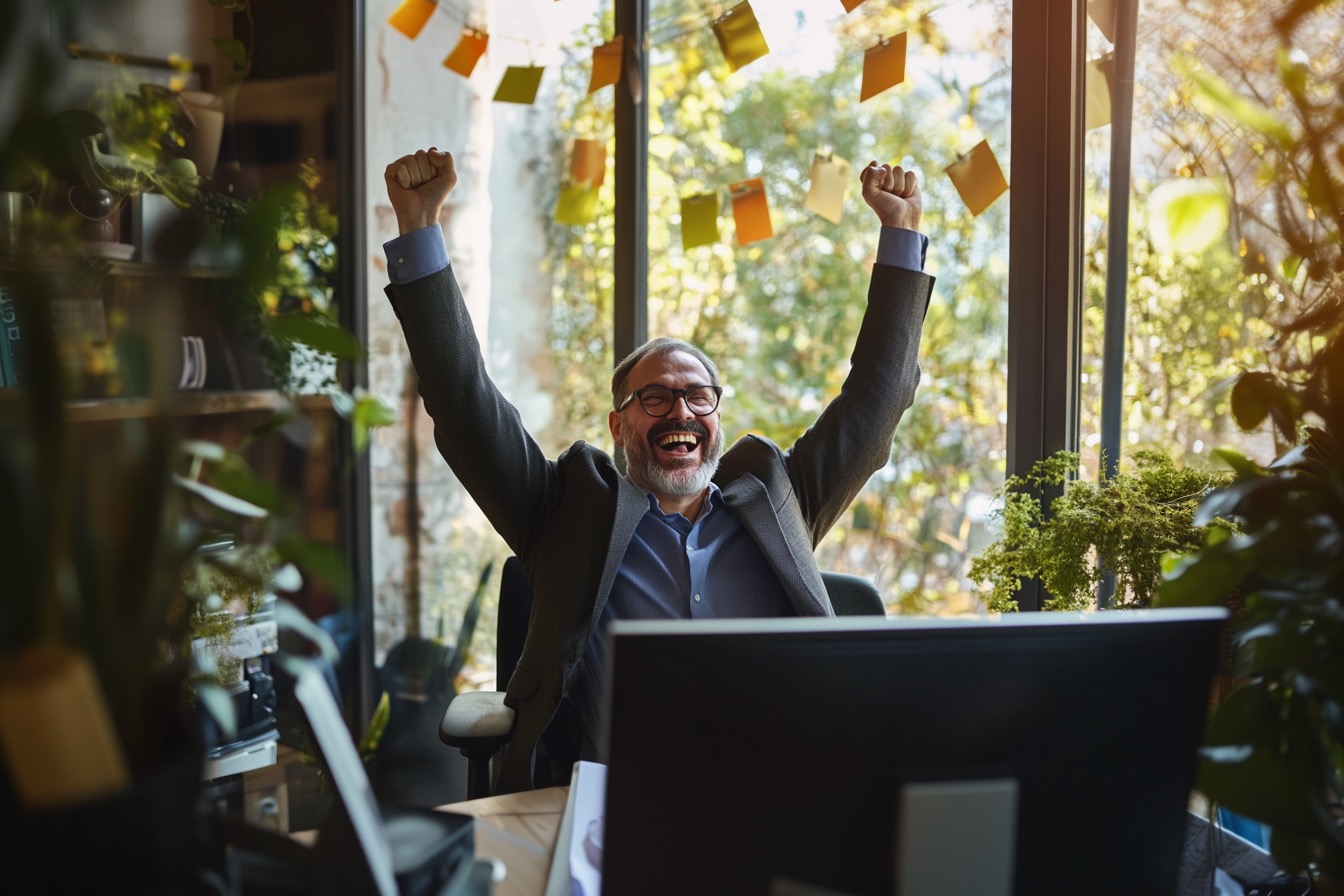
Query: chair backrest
{"x": 515, "y": 606}
{"x": 850, "y": 595}
{"x": 853, "y": 595}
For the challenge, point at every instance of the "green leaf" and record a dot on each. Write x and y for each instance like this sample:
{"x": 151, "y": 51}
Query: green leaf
{"x": 223, "y": 500}
{"x": 1187, "y": 214}
{"x": 319, "y": 560}
{"x": 219, "y": 704}
{"x": 233, "y": 50}
{"x": 1218, "y": 98}
{"x": 316, "y": 332}
{"x": 1198, "y": 580}
{"x": 373, "y": 734}
{"x": 1243, "y": 466}
{"x": 291, "y": 619}
{"x": 1290, "y": 267}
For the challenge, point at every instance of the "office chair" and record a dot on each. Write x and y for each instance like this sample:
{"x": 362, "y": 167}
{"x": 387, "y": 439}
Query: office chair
{"x": 480, "y": 725}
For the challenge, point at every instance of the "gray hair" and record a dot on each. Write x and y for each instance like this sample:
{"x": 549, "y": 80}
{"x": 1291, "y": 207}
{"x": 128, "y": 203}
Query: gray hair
{"x": 657, "y": 347}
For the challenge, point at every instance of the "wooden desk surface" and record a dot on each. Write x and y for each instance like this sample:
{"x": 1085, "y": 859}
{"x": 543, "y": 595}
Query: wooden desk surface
{"x": 519, "y": 830}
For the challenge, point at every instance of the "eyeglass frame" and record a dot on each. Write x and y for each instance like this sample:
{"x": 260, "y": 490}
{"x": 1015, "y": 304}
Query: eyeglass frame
{"x": 676, "y": 394}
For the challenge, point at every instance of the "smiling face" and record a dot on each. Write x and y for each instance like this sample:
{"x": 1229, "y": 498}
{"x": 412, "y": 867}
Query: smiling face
{"x": 673, "y": 456}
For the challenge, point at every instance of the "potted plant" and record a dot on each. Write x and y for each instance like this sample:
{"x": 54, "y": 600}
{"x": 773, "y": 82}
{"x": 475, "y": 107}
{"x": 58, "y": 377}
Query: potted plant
{"x": 1126, "y": 522}
{"x": 1274, "y": 747}
{"x": 101, "y": 735}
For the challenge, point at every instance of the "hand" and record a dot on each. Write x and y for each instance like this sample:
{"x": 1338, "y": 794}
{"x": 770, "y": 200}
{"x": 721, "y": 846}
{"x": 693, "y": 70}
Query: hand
{"x": 894, "y": 194}
{"x": 417, "y": 186}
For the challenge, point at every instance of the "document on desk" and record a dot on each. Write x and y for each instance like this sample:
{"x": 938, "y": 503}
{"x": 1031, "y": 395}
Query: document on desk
{"x": 576, "y": 864}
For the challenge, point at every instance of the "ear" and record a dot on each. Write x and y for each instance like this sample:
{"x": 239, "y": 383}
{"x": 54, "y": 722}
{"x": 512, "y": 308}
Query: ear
{"x": 614, "y": 424}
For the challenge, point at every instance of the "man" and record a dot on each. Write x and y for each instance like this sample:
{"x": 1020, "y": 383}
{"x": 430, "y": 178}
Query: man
{"x": 689, "y": 529}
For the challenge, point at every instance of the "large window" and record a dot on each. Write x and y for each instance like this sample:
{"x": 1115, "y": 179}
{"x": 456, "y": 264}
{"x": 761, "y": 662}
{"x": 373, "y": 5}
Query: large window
{"x": 1013, "y": 356}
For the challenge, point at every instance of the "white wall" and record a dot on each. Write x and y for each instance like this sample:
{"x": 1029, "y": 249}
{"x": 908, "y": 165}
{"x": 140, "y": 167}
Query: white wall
{"x": 493, "y": 229}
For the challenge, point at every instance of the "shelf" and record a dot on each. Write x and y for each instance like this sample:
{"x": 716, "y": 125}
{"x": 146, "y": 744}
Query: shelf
{"x": 192, "y": 404}
{"x": 117, "y": 267}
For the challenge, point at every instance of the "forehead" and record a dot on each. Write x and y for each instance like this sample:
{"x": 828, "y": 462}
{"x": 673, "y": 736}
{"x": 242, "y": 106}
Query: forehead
{"x": 674, "y": 368}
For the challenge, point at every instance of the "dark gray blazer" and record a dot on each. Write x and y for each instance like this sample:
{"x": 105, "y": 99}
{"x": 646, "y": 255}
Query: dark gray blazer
{"x": 569, "y": 520}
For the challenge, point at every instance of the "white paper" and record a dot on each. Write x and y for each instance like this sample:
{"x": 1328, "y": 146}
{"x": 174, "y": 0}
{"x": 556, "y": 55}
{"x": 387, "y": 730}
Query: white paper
{"x": 588, "y": 792}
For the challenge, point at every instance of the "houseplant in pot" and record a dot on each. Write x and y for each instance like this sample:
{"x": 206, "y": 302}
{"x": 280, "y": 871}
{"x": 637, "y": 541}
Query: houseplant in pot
{"x": 101, "y": 736}
{"x": 1127, "y": 522}
{"x": 1274, "y": 747}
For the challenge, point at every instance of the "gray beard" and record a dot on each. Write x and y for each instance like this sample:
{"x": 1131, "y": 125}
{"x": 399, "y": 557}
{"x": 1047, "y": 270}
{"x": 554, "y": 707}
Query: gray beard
{"x": 645, "y": 471}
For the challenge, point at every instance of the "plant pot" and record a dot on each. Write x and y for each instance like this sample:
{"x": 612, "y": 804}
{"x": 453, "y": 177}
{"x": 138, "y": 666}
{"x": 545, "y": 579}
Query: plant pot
{"x": 144, "y": 840}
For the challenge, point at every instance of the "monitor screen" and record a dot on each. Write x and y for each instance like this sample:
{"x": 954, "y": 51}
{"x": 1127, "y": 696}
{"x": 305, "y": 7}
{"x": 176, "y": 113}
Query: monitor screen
{"x": 780, "y": 756}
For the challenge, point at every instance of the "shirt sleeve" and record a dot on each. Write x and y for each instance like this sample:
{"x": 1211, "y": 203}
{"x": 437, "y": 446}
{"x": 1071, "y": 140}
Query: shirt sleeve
{"x": 901, "y": 248}
{"x": 416, "y": 254}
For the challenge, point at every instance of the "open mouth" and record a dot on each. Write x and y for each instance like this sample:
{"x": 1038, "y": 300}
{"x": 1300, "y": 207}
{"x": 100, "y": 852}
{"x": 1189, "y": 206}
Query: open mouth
{"x": 679, "y": 439}
{"x": 677, "y": 443}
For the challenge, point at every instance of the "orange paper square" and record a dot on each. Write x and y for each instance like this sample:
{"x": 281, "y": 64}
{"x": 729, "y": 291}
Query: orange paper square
{"x": 751, "y": 214}
{"x": 740, "y": 36}
{"x": 851, "y": 5}
{"x": 978, "y": 178}
{"x": 519, "y": 84}
{"x": 588, "y": 162}
{"x": 469, "y": 50}
{"x": 883, "y": 66}
{"x": 411, "y": 16}
{"x": 607, "y": 64}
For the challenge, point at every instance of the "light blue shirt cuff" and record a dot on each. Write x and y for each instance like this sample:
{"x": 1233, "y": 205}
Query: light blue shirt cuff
{"x": 901, "y": 248}
{"x": 416, "y": 254}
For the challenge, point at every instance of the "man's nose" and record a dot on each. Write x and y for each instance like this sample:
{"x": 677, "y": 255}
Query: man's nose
{"x": 680, "y": 409}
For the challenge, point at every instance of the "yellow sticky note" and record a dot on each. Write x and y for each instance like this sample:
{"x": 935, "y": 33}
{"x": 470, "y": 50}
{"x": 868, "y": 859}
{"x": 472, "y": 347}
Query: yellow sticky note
{"x": 978, "y": 178}
{"x": 411, "y": 16}
{"x": 1102, "y": 13}
{"x": 577, "y": 205}
{"x": 1097, "y": 92}
{"x": 699, "y": 220}
{"x": 519, "y": 84}
{"x": 607, "y": 64}
{"x": 851, "y": 5}
{"x": 750, "y": 211}
{"x": 588, "y": 162}
{"x": 883, "y": 66}
{"x": 826, "y": 186}
{"x": 469, "y": 50}
{"x": 740, "y": 36}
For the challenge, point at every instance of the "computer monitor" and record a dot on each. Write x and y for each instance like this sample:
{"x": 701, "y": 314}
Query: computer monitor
{"x": 774, "y": 756}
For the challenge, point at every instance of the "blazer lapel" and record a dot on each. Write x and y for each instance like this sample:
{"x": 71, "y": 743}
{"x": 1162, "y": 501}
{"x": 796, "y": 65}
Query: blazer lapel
{"x": 788, "y": 550}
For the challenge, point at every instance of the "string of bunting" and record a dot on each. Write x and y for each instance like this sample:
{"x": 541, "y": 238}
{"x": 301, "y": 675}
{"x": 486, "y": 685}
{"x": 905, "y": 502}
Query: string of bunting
{"x": 976, "y": 174}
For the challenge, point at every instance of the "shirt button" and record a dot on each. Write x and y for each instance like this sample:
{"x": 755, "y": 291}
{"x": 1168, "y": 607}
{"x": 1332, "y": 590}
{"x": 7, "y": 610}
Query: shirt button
{"x": 401, "y": 261}
{"x": 697, "y": 598}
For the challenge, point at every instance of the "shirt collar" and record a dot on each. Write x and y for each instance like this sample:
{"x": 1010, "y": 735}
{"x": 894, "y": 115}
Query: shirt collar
{"x": 712, "y": 500}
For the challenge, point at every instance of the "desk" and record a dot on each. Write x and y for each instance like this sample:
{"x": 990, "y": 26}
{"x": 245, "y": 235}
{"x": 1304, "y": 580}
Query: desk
{"x": 519, "y": 830}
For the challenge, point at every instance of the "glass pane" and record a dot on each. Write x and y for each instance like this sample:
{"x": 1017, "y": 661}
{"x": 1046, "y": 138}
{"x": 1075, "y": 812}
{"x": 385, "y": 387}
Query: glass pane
{"x": 779, "y": 312}
{"x": 527, "y": 298}
{"x": 1195, "y": 304}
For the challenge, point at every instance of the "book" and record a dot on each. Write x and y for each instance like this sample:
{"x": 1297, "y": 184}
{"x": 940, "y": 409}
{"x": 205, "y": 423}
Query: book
{"x": 576, "y": 863}
{"x": 9, "y": 338}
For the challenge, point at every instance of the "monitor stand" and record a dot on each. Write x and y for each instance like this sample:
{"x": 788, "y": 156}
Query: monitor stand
{"x": 957, "y": 838}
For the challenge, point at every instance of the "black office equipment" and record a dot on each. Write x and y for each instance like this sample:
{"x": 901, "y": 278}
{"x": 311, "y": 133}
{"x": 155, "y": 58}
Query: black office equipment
{"x": 364, "y": 847}
{"x": 746, "y": 753}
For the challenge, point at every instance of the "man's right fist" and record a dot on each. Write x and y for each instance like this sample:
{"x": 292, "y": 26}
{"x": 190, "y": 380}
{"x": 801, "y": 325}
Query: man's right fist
{"x": 417, "y": 186}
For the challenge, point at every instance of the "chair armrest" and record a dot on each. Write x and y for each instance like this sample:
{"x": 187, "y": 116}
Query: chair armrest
{"x": 477, "y": 720}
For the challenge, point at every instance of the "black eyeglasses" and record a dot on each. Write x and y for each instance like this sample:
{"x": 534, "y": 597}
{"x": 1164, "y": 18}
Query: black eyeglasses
{"x": 658, "y": 401}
